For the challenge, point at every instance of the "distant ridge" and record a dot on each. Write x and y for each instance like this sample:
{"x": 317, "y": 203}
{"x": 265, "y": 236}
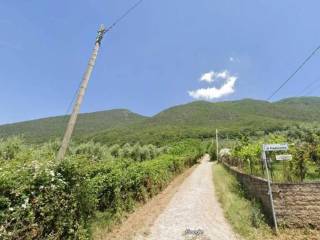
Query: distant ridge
{"x": 201, "y": 118}
{"x": 53, "y": 127}
{"x": 195, "y": 119}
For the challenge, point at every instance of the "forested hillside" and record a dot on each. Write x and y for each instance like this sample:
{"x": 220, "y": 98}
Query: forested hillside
{"x": 196, "y": 119}
{"x": 200, "y": 119}
{"x": 89, "y": 123}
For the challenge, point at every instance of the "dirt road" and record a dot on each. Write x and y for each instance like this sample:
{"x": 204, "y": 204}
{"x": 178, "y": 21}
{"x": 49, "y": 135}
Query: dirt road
{"x": 193, "y": 213}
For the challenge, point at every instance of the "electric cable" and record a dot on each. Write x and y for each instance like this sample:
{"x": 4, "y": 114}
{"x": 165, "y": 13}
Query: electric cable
{"x": 115, "y": 23}
{"x": 124, "y": 15}
{"x": 294, "y": 73}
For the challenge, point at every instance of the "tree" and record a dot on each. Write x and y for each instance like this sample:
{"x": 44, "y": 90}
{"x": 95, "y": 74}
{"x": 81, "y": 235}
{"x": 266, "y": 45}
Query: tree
{"x": 301, "y": 155}
{"x": 115, "y": 150}
{"x": 136, "y": 152}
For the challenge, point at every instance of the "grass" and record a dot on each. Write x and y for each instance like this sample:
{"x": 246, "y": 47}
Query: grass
{"x": 245, "y": 216}
{"x": 280, "y": 172}
{"x": 241, "y": 213}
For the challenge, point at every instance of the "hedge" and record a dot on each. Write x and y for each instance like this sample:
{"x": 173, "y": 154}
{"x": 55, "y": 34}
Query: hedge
{"x": 60, "y": 200}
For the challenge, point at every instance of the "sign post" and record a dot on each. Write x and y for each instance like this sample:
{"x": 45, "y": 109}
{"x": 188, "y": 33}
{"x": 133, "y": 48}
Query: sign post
{"x": 217, "y": 145}
{"x": 272, "y": 148}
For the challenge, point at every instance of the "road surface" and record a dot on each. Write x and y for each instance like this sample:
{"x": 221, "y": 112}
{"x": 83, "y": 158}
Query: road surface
{"x": 193, "y": 213}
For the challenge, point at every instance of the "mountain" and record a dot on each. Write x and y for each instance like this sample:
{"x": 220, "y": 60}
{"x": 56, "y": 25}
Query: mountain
{"x": 201, "y": 118}
{"x": 89, "y": 123}
{"x": 206, "y": 114}
{"x": 195, "y": 119}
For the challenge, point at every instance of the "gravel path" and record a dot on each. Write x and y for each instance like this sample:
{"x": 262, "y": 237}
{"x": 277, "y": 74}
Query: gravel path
{"x": 194, "y": 212}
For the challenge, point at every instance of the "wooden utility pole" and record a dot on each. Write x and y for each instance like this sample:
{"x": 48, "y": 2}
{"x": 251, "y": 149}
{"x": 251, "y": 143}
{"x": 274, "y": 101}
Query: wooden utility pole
{"x": 217, "y": 144}
{"x": 81, "y": 93}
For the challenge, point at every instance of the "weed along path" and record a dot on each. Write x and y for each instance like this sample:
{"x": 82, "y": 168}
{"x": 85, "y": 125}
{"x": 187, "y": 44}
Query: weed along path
{"x": 193, "y": 212}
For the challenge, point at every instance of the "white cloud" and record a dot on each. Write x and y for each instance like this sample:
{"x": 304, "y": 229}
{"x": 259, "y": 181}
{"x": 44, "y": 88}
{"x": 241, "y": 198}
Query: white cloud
{"x": 212, "y": 76}
{"x": 207, "y": 77}
{"x": 231, "y": 59}
{"x": 227, "y": 88}
{"x": 223, "y": 75}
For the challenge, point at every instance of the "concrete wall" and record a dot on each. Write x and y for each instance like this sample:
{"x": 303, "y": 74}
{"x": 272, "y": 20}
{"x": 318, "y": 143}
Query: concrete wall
{"x": 296, "y": 205}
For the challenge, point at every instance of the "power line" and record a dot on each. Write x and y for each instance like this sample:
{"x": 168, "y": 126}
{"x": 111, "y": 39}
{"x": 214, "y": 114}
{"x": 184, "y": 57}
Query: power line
{"x": 66, "y": 115}
{"x": 73, "y": 98}
{"x": 312, "y": 90}
{"x": 84, "y": 83}
{"x": 124, "y": 15}
{"x": 307, "y": 88}
{"x": 118, "y": 20}
{"x": 294, "y": 73}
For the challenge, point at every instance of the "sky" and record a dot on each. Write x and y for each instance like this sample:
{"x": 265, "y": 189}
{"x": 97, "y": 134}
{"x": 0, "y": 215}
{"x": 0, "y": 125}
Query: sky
{"x": 165, "y": 53}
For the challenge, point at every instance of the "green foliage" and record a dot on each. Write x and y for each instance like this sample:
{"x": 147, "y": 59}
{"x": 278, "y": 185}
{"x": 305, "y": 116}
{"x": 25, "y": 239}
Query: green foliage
{"x": 244, "y": 215}
{"x": 90, "y": 150}
{"x": 304, "y": 144}
{"x": 136, "y": 152}
{"x": 39, "y": 131}
{"x": 194, "y": 120}
{"x": 44, "y": 199}
{"x": 212, "y": 151}
{"x": 257, "y": 217}
{"x": 249, "y": 157}
{"x": 10, "y": 148}
{"x": 200, "y": 119}
{"x": 301, "y": 156}
{"x": 115, "y": 150}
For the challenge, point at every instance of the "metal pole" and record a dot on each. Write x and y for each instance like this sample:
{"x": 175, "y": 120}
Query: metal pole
{"x": 81, "y": 93}
{"x": 264, "y": 157}
{"x": 217, "y": 144}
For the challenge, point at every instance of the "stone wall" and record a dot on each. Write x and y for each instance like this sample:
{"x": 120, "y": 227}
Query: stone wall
{"x": 296, "y": 205}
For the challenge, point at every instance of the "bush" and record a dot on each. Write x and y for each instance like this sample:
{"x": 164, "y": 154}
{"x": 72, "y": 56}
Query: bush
{"x": 49, "y": 202}
{"x": 10, "y": 148}
{"x": 42, "y": 199}
{"x": 115, "y": 150}
{"x": 92, "y": 151}
{"x": 246, "y": 155}
{"x": 212, "y": 151}
{"x": 301, "y": 156}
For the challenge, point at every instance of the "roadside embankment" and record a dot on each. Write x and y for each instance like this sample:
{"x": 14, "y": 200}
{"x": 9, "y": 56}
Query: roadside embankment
{"x": 245, "y": 215}
{"x": 296, "y": 205}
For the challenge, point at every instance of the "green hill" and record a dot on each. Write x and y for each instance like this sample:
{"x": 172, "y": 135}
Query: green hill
{"x": 53, "y": 127}
{"x": 195, "y": 119}
{"x": 200, "y": 119}
{"x": 225, "y": 113}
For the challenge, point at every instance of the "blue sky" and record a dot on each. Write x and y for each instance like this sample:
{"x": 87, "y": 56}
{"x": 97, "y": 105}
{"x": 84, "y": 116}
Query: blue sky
{"x": 156, "y": 57}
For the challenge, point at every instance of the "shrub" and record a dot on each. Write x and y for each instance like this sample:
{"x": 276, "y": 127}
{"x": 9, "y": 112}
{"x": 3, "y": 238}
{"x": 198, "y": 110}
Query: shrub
{"x": 115, "y": 150}
{"x": 42, "y": 199}
{"x": 10, "y": 148}
{"x": 301, "y": 156}
{"x": 92, "y": 151}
